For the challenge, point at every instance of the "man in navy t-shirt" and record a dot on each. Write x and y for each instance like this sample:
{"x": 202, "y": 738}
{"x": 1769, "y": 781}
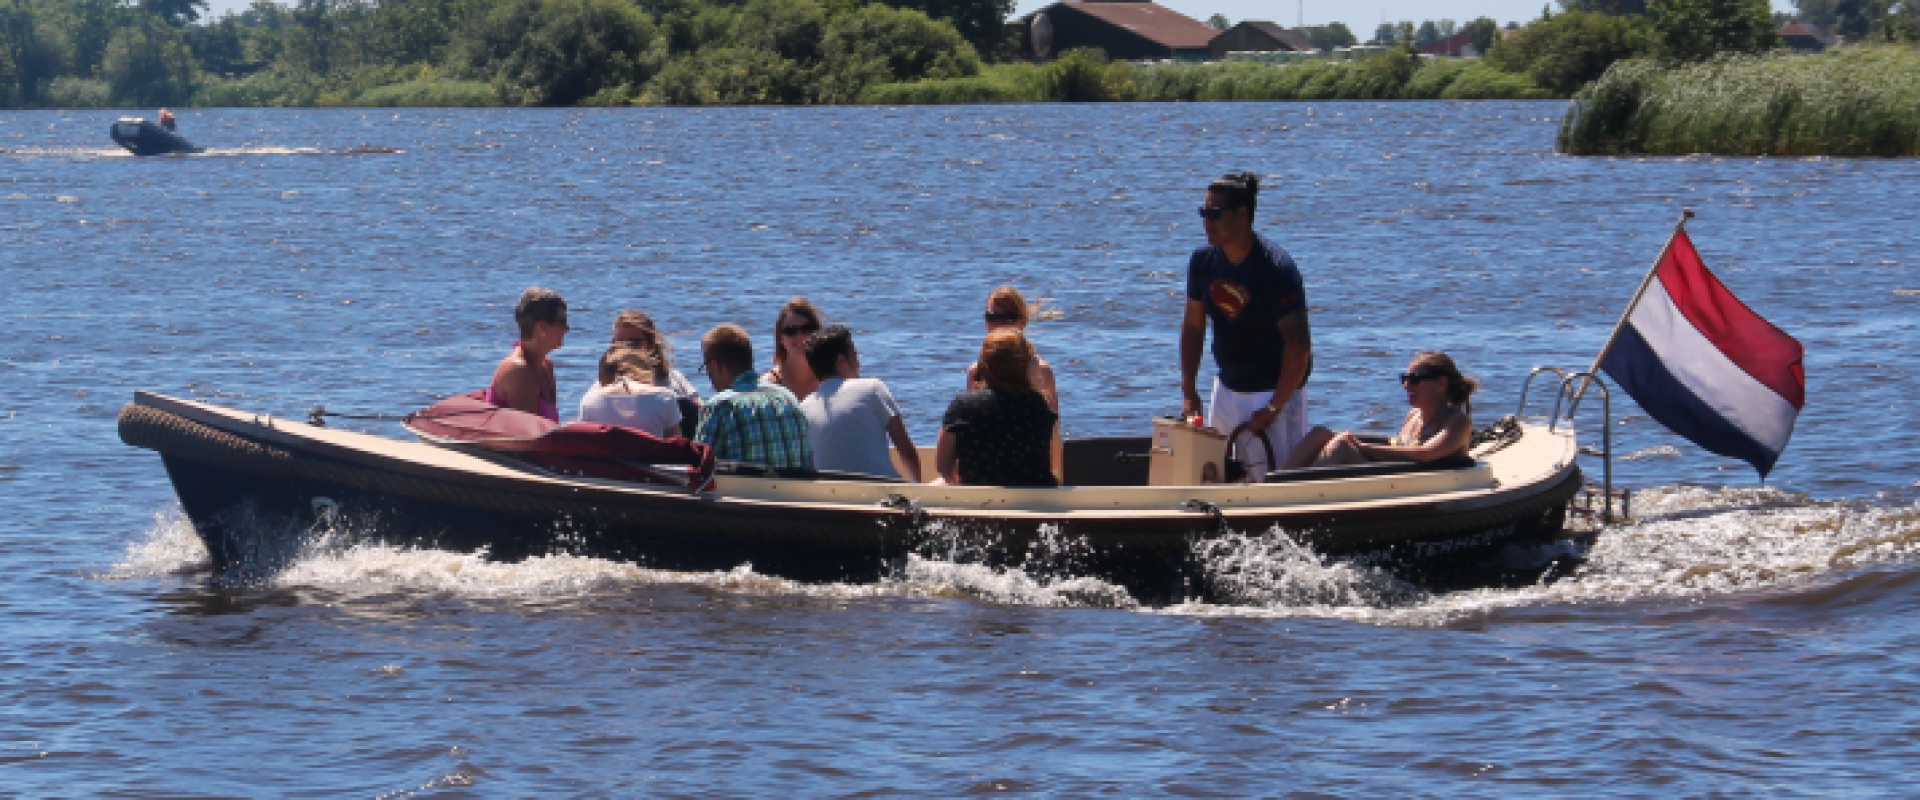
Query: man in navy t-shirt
{"x": 1251, "y": 290}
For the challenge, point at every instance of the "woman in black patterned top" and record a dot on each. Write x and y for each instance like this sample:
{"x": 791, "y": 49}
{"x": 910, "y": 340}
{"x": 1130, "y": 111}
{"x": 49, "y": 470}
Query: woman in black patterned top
{"x": 999, "y": 435}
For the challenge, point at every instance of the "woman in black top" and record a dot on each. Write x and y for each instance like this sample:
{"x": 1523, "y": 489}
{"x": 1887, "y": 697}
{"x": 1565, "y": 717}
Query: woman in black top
{"x": 999, "y": 435}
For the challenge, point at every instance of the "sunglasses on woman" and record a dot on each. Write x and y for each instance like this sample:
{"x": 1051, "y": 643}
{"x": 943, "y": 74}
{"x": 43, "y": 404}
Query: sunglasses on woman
{"x": 1413, "y": 378}
{"x": 799, "y": 330}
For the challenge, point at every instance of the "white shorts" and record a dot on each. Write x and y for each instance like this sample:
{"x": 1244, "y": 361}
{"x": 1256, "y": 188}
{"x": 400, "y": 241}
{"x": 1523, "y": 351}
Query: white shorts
{"x": 1227, "y": 409}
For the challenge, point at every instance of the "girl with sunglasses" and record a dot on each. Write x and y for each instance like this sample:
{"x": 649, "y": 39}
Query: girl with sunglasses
{"x": 1439, "y": 424}
{"x": 1007, "y": 309}
{"x": 798, "y": 320}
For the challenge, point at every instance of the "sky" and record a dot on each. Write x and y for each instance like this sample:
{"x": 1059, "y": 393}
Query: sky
{"x": 1362, "y": 17}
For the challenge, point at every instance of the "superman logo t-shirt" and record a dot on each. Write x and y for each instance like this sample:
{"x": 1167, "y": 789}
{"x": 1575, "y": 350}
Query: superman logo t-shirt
{"x": 1246, "y": 302}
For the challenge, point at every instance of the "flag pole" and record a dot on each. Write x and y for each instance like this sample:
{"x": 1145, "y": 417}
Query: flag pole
{"x": 1685, "y": 214}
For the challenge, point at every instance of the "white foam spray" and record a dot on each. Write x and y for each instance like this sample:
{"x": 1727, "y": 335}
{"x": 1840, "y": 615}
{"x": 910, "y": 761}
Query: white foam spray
{"x": 1686, "y": 542}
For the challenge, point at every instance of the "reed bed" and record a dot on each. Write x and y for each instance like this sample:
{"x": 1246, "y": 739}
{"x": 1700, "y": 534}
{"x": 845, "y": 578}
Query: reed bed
{"x": 1087, "y": 78}
{"x": 1853, "y": 101}
{"x": 431, "y": 94}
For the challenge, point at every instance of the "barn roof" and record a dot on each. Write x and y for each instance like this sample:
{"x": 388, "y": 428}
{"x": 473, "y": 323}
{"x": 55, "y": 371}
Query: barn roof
{"x": 1157, "y": 23}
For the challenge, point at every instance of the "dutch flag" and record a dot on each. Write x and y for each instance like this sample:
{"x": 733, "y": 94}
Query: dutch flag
{"x": 1704, "y": 365}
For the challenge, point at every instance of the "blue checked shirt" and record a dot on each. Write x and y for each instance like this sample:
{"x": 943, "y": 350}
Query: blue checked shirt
{"x": 756, "y": 422}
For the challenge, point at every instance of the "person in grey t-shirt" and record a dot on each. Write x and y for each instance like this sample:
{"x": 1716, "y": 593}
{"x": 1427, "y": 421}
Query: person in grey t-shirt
{"x": 850, "y": 418}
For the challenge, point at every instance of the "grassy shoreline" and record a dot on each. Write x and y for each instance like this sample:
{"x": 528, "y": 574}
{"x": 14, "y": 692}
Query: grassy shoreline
{"x": 1852, "y": 101}
{"x": 1077, "y": 77}
{"x": 1089, "y": 78}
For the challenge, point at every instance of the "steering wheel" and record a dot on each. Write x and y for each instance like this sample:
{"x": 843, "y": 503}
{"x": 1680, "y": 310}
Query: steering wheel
{"x": 1237, "y": 466}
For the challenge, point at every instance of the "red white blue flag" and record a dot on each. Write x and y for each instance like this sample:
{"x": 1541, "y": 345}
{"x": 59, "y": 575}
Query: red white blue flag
{"x": 1704, "y": 365}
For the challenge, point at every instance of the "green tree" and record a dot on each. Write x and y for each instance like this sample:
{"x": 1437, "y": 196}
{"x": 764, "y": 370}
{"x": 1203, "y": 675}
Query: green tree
{"x": 727, "y": 75}
{"x": 1427, "y": 33}
{"x": 175, "y": 12}
{"x": 1329, "y": 36}
{"x": 1696, "y": 30}
{"x": 148, "y": 63}
{"x": 1901, "y": 23}
{"x": 793, "y": 29}
{"x": 414, "y": 31}
{"x": 1618, "y": 8}
{"x": 1853, "y": 19}
{"x": 1482, "y": 33}
{"x": 983, "y": 23}
{"x": 316, "y": 41}
{"x": 219, "y": 45}
{"x": 878, "y": 44}
{"x": 1387, "y": 33}
{"x": 1219, "y": 22}
{"x": 558, "y": 52}
{"x": 85, "y": 26}
{"x": 1568, "y": 51}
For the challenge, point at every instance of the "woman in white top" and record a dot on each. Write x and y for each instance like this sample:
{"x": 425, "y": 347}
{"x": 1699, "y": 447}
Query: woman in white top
{"x": 635, "y": 329}
{"x": 627, "y": 395}
{"x": 1439, "y": 423}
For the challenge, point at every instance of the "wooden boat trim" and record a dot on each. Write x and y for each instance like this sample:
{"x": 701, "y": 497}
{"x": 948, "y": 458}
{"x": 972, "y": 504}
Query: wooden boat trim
{"x": 1538, "y": 458}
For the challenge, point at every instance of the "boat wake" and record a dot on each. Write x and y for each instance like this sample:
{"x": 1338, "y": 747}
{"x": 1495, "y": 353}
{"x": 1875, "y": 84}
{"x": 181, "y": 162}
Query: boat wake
{"x": 1687, "y": 543}
{"x": 211, "y": 152}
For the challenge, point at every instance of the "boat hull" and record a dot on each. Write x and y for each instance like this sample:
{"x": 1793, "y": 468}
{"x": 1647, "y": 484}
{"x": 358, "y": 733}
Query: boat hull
{"x": 260, "y": 492}
{"x": 143, "y": 138}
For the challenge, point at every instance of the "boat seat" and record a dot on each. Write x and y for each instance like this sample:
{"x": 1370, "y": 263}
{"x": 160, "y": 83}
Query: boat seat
{"x": 750, "y": 470}
{"x": 1368, "y": 470}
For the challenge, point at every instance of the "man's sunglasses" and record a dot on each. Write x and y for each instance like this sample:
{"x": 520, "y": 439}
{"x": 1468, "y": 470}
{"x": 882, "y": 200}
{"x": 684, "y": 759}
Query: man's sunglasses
{"x": 1212, "y": 213}
{"x": 1000, "y": 318}
{"x": 799, "y": 330}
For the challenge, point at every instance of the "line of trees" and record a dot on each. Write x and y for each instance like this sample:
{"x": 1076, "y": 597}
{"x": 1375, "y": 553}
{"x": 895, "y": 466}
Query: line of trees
{"x": 93, "y": 53}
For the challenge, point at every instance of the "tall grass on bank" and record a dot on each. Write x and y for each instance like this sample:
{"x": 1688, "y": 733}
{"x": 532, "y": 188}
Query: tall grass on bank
{"x": 367, "y": 86}
{"x": 1086, "y": 76}
{"x": 1853, "y": 101}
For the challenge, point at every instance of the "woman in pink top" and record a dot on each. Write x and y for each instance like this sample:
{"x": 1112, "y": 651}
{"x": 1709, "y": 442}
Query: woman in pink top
{"x": 524, "y": 379}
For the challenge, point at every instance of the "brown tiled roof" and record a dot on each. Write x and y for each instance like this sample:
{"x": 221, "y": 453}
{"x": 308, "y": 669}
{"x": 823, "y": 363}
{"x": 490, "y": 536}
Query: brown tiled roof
{"x": 1291, "y": 39}
{"x": 1809, "y": 31}
{"x": 1162, "y": 25}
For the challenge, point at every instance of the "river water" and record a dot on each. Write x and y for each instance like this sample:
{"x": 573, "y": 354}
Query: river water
{"x": 1736, "y": 638}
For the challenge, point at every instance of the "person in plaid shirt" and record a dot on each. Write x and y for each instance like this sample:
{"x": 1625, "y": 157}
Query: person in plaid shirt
{"x": 748, "y": 420}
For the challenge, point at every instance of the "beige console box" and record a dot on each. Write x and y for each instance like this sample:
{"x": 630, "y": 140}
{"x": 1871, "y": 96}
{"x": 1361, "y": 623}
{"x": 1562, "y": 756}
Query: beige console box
{"x": 1185, "y": 455}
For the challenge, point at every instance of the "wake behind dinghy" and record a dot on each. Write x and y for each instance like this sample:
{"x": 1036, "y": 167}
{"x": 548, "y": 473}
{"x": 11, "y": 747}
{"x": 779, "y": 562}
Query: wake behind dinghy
{"x": 143, "y": 138}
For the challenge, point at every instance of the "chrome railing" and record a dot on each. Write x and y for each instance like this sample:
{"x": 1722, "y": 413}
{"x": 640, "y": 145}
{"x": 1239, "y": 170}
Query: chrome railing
{"x": 1567, "y": 397}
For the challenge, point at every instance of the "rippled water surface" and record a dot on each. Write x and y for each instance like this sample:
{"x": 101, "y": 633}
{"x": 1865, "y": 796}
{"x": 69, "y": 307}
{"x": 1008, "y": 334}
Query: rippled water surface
{"x": 1738, "y": 638}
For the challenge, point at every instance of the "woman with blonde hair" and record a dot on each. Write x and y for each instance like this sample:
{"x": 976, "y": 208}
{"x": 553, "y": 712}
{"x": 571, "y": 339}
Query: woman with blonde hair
{"x": 629, "y": 395}
{"x": 798, "y": 320}
{"x": 1439, "y": 424}
{"x": 999, "y": 434}
{"x": 634, "y": 328}
{"x": 1007, "y": 309}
